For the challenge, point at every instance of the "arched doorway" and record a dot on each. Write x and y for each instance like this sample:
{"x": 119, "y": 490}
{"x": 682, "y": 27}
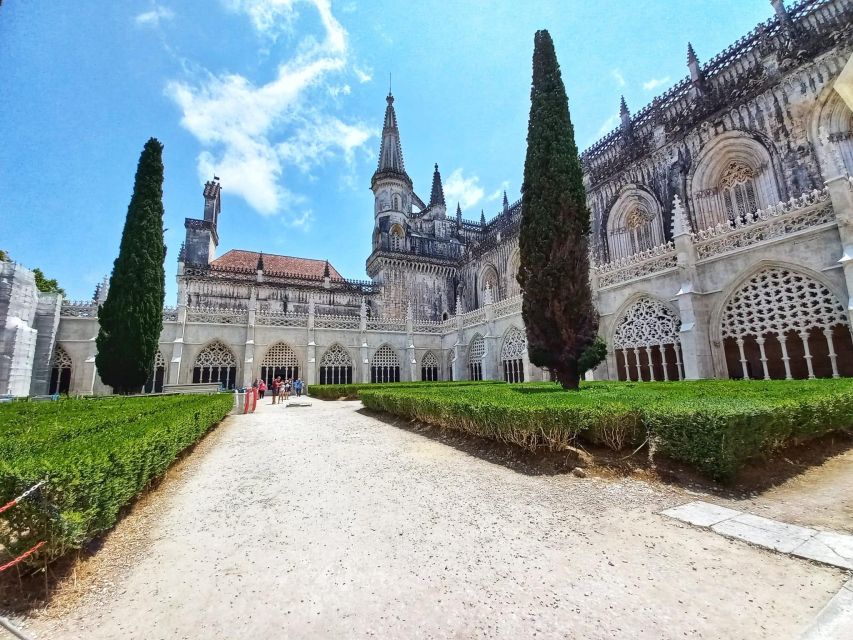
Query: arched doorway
{"x": 279, "y": 361}
{"x": 646, "y": 342}
{"x": 216, "y": 363}
{"x": 336, "y": 366}
{"x": 512, "y": 355}
{"x": 385, "y": 366}
{"x": 60, "y": 371}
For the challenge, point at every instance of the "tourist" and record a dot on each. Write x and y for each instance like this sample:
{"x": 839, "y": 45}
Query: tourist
{"x": 287, "y": 386}
{"x": 274, "y": 388}
{"x": 262, "y": 388}
{"x": 297, "y": 387}
{"x": 281, "y": 392}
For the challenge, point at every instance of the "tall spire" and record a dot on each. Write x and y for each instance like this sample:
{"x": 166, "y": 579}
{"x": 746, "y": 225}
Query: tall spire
{"x": 436, "y": 196}
{"x": 624, "y": 114}
{"x": 506, "y": 202}
{"x": 390, "y": 151}
{"x": 458, "y": 215}
{"x": 693, "y": 65}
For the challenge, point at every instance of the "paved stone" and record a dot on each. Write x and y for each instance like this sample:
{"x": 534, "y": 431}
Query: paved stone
{"x": 835, "y": 620}
{"x": 828, "y": 547}
{"x": 702, "y": 514}
{"x": 764, "y": 532}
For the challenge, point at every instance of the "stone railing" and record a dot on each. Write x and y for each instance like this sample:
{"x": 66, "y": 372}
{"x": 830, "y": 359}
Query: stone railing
{"x": 429, "y": 326}
{"x": 78, "y": 309}
{"x": 336, "y": 322}
{"x": 379, "y": 324}
{"x": 508, "y": 307}
{"x": 217, "y": 316}
{"x": 281, "y": 319}
{"x": 809, "y": 210}
{"x": 477, "y": 316}
{"x": 639, "y": 265}
{"x": 170, "y": 314}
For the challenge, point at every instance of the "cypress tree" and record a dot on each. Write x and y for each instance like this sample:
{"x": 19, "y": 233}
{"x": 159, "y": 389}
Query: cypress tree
{"x": 558, "y": 313}
{"x": 131, "y": 318}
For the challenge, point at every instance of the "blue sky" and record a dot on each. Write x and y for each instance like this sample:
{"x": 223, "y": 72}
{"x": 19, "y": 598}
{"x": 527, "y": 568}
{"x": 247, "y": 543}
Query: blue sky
{"x": 284, "y": 100}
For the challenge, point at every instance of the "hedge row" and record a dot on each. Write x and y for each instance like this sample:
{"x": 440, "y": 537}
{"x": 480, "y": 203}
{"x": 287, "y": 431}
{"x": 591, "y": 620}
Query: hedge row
{"x": 96, "y": 455}
{"x": 351, "y": 391}
{"x": 715, "y": 426}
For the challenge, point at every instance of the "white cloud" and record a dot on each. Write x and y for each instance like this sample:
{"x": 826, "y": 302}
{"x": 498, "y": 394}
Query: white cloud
{"x": 302, "y": 221}
{"x": 606, "y": 127}
{"x": 250, "y": 131}
{"x": 154, "y": 17}
{"x": 499, "y": 193}
{"x": 466, "y": 191}
{"x": 618, "y": 77}
{"x": 654, "y": 83}
{"x": 363, "y": 75}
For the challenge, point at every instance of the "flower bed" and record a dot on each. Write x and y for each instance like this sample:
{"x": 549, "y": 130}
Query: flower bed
{"x": 713, "y": 425}
{"x": 96, "y": 456}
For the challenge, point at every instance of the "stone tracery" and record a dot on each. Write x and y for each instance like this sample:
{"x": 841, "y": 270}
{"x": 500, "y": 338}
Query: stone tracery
{"x": 336, "y": 366}
{"x": 648, "y": 328}
{"x": 512, "y": 355}
{"x": 216, "y": 363}
{"x": 385, "y": 365}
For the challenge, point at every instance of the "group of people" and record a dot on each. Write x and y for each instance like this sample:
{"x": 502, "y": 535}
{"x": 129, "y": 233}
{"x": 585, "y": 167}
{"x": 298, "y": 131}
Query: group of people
{"x": 281, "y": 390}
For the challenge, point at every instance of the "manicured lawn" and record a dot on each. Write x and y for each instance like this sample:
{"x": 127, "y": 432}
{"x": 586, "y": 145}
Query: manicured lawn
{"x": 96, "y": 455}
{"x": 713, "y": 425}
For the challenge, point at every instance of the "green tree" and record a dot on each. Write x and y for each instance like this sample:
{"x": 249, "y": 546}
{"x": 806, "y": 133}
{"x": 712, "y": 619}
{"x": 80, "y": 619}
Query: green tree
{"x": 46, "y": 285}
{"x": 131, "y": 317}
{"x": 557, "y": 309}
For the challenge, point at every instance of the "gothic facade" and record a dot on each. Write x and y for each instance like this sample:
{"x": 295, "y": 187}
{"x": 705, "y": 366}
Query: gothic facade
{"x": 722, "y": 221}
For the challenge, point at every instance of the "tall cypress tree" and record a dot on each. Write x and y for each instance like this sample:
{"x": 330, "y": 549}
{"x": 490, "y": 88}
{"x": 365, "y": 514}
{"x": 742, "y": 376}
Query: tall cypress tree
{"x": 558, "y": 312}
{"x": 131, "y": 317}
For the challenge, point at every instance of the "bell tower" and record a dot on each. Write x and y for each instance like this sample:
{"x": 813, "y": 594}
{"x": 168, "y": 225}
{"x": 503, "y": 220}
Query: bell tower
{"x": 391, "y": 185}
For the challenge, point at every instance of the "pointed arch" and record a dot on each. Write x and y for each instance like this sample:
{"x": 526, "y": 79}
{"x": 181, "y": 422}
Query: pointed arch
{"x": 488, "y": 279}
{"x": 635, "y": 223}
{"x": 513, "y": 264}
{"x": 61, "y": 367}
{"x": 336, "y": 365}
{"x": 216, "y": 363}
{"x": 385, "y": 365}
{"x": 430, "y": 367}
{"x": 830, "y": 131}
{"x": 646, "y": 340}
{"x": 279, "y": 361}
{"x": 782, "y": 321}
{"x": 155, "y": 381}
{"x": 476, "y": 351}
{"x": 513, "y": 352}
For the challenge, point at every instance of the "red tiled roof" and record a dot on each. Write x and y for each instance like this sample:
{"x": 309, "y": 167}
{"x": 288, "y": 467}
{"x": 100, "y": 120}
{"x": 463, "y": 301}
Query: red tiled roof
{"x": 286, "y": 264}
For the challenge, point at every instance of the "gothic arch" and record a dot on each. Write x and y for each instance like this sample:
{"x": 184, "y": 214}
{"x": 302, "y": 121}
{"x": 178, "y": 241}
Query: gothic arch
{"x": 735, "y": 174}
{"x": 488, "y": 278}
{"x": 336, "y": 365}
{"x": 476, "y": 352}
{"x": 832, "y": 119}
{"x": 779, "y": 320}
{"x": 513, "y": 264}
{"x": 634, "y": 223}
{"x": 513, "y": 352}
{"x": 155, "y": 381}
{"x": 215, "y": 362}
{"x": 645, "y": 339}
{"x": 279, "y": 360}
{"x": 430, "y": 369}
{"x": 397, "y": 238}
{"x": 385, "y": 365}
{"x": 61, "y": 367}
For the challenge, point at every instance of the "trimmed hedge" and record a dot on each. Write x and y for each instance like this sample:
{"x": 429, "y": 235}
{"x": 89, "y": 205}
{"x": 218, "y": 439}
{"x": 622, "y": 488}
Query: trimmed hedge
{"x": 97, "y": 455}
{"x": 351, "y": 391}
{"x": 713, "y": 425}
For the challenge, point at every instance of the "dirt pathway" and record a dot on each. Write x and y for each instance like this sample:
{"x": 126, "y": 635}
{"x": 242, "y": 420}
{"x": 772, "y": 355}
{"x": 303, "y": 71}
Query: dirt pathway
{"x": 324, "y": 522}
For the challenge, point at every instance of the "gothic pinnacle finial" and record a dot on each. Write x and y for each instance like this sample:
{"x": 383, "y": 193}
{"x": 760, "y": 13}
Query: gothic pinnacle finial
{"x": 693, "y": 65}
{"x": 458, "y": 211}
{"x": 691, "y": 54}
{"x": 260, "y": 266}
{"x": 623, "y": 107}
{"x": 506, "y": 202}
{"x": 482, "y": 218}
{"x": 326, "y": 272}
{"x": 436, "y": 196}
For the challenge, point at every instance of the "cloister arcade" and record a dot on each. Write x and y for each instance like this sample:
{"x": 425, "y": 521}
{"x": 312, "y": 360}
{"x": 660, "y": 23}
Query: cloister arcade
{"x": 336, "y": 366}
{"x": 279, "y": 361}
{"x": 646, "y": 342}
{"x": 385, "y": 365}
{"x": 216, "y": 363}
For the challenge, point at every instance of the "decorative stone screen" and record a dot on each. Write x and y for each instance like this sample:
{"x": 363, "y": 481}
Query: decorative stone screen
{"x": 279, "y": 361}
{"x": 476, "y": 350}
{"x": 60, "y": 371}
{"x": 336, "y": 366}
{"x": 512, "y": 355}
{"x": 385, "y": 366}
{"x": 216, "y": 363}
{"x": 646, "y": 342}
{"x": 737, "y": 187}
{"x": 429, "y": 367}
{"x": 784, "y": 324}
{"x": 154, "y": 384}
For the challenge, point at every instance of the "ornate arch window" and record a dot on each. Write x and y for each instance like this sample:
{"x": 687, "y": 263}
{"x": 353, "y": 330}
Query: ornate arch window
{"x": 60, "y": 371}
{"x": 512, "y": 355}
{"x": 397, "y": 238}
{"x": 155, "y": 381}
{"x": 634, "y": 224}
{"x": 336, "y": 366}
{"x": 780, "y": 323}
{"x": 489, "y": 280}
{"x": 737, "y": 189}
{"x": 513, "y": 265}
{"x": 646, "y": 342}
{"x": 280, "y": 360}
{"x": 476, "y": 351}
{"x": 429, "y": 367}
{"x": 385, "y": 366}
{"x": 216, "y": 363}
{"x": 395, "y": 199}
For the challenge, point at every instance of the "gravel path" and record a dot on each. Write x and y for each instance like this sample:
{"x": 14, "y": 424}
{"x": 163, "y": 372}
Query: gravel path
{"x": 323, "y": 522}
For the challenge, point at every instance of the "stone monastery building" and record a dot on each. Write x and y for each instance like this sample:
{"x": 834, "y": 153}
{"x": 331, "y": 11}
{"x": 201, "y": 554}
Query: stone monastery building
{"x": 722, "y": 216}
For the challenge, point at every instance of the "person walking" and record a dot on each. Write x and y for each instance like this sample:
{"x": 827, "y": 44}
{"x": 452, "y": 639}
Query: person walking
{"x": 297, "y": 387}
{"x": 281, "y": 391}
{"x": 287, "y": 386}
{"x": 262, "y": 389}
{"x": 276, "y": 383}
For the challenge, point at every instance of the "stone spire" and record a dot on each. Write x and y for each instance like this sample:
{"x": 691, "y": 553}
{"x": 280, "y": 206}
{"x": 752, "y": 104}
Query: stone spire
{"x": 680, "y": 223}
{"x": 390, "y": 151}
{"x": 782, "y": 14}
{"x": 693, "y": 65}
{"x": 482, "y": 219}
{"x": 436, "y": 196}
{"x": 625, "y": 116}
{"x": 326, "y": 272}
{"x": 458, "y": 215}
{"x": 506, "y": 203}
{"x": 260, "y": 266}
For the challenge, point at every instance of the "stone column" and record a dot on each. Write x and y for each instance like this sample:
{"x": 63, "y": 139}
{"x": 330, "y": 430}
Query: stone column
{"x": 840, "y": 190}
{"x": 460, "y": 370}
{"x": 491, "y": 357}
{"x": 410, "y": 349}
{"x": 695, "y": 341}
{"x": 174, "y": 367}
{"x": 360, "y": 371}
{"x": 249, "y": 359}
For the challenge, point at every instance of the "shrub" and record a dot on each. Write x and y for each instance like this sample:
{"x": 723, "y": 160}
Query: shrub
{"x": 713, "y": 425}
{"x": 351, "y": 391}
{"x": 96, "y": 455}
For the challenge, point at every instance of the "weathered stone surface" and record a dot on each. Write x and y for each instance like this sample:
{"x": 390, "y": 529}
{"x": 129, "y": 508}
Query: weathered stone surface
{"x": 764, "y": 532}
{"x": 829, "y": 548}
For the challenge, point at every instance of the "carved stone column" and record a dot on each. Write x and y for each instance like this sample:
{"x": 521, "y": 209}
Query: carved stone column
{"x": 491, "y": 355}
{"x": 249, "y": 359}
{"x": 695, "y": 341}
{"x": 174, "y": 372}
{"x": 410, "y": 341}
{"x": 841, "y": 193}
{"x": 460, "y": 371}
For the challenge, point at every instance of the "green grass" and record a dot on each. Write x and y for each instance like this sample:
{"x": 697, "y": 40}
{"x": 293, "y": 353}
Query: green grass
{"x": 713, "y": 425}
{"x": 97, "y": 456}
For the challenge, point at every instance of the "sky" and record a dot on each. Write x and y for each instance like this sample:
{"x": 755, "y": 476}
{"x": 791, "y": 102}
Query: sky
{"x": 284, "y": 101}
